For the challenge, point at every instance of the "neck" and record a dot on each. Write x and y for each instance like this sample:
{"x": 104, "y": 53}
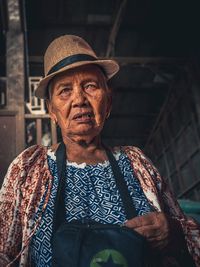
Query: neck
{"x": 82, "y": 149}
{"x": 82, "y": 142}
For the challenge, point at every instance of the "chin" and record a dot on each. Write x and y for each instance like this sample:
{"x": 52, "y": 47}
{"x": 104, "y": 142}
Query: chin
{"x": 86, "y": 130}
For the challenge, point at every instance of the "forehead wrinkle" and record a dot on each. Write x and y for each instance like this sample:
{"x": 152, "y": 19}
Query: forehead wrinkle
{"x": 83, "y": 70}
{"x": 80, "y": 78}
{"x": 63, "y": 84}
{"x": 93, "y": 71}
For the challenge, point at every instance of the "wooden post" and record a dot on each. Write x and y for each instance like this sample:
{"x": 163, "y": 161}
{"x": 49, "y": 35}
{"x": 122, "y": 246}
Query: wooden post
{"x": 15, "y": 71}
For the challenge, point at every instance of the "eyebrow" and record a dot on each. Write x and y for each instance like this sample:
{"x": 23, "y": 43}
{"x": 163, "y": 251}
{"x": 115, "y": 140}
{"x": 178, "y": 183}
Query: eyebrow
{"x": 90, "y": 80}
{"x": 63, "y": 84}
{"x": 86, "y": 80}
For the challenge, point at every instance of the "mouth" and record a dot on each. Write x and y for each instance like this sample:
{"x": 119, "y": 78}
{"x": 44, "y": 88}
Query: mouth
{"x": 83, "y": 116}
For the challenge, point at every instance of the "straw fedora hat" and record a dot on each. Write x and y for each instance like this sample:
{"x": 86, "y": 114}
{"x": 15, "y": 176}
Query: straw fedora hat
{"x": 67, "y": 52}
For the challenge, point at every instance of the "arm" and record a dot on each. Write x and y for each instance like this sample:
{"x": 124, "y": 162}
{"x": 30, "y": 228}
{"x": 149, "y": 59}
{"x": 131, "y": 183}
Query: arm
{"x": 10, "y": 218}
{"x": 177, "y": 229}
{"x": 189, "y": 227}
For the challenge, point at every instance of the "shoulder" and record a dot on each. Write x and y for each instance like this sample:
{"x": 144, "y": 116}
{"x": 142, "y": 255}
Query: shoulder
{"x": 33, "y": 151}
{"x": 150, "y": 179}
{"x": 30, "y": 155}
{"x": 27, "y": 168}
{"x": 26, "y": 160}
{"x": 141, "y": 162}
{"x": 133, "y": 152}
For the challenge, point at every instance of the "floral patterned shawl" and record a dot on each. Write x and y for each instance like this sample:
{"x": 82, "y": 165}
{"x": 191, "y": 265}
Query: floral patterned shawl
{"x": 28, "y": 179}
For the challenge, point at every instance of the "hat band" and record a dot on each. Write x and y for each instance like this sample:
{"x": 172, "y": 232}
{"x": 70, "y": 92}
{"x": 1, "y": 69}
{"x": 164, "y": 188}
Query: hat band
{"x": 70, "y": 60}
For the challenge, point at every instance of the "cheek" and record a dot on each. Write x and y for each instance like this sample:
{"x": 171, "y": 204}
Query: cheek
{"x": 61, "y": 111}
{"x": 100, "y": 106}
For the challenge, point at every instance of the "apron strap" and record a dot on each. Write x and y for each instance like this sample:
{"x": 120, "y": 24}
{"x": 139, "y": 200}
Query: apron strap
{"x": 59, "y": 208}
{"x": 121, "y": 186}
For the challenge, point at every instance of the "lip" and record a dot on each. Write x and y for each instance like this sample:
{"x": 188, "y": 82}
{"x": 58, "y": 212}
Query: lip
{"x": 83, "y": 117}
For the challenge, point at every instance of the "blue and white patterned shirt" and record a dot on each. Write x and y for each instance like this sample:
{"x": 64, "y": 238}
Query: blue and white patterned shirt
{"x": 91, "y": 193}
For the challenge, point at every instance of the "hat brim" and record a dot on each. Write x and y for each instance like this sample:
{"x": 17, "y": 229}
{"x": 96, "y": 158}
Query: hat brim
{"x": 109, "y": 66}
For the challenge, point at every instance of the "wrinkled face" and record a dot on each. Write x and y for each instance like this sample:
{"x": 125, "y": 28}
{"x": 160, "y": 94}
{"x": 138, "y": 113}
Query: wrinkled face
{"x": 80, "y": 101}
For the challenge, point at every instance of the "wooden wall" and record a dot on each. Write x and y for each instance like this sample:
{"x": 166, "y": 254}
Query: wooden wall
{"x": 174, "y": 144}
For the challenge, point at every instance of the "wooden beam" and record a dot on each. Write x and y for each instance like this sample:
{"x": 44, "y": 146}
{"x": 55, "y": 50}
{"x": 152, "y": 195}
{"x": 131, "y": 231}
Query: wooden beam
{"x": 131, "y": 137}
{"x": 123, "y": 61}
{"x": 7, "y": 113}
{"x": 38, "y": 116}
{"x": 133, "y": 115}
{"x": 115, "y": 29}
{"x": 189, "y": 189}
{"x": 129, "y": 60}
{"x": 143, "y": 89}
{"x": 99, "y": 19}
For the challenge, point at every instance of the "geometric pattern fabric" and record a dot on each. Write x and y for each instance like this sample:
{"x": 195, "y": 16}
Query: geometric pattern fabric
{"x": 90, "y": 194}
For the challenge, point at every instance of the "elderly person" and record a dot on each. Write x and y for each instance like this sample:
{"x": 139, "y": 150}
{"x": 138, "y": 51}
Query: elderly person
{"x": 79, "y": 101}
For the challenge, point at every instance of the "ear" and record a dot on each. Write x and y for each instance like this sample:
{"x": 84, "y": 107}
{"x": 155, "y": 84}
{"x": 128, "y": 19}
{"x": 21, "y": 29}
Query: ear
{"x": 50, "y": 110}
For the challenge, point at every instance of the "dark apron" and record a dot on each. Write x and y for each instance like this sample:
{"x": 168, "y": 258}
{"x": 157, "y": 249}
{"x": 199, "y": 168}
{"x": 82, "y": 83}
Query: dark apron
{"x": 91, "y": 244}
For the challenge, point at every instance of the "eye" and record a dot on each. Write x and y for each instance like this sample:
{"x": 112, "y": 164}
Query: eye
{"x": 90, "y": 86}
{"x": 65, "y": 91}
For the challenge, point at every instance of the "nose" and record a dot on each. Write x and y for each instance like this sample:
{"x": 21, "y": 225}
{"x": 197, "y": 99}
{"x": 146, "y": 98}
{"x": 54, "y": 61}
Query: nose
{"x": 79, "y": 98}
